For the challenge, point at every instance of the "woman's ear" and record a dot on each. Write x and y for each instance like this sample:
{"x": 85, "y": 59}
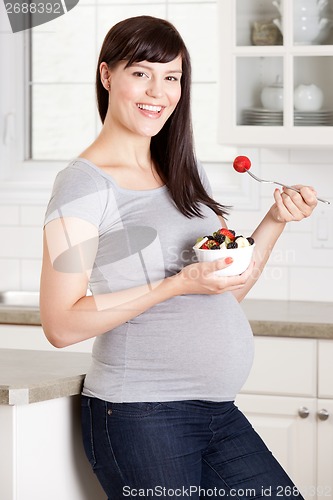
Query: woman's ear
{"x": 105, "y": 75}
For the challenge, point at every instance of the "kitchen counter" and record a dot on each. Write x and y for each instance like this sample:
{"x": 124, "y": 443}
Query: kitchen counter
{"x": 267, "y": 317}
{"x": 52, "y": 380}
{"x": 19, "y": 307}
{"x": 28, "y": 376}
{"x": 19, "y": 315}
{"x": 40, "y": 438}
{"x": 279, "y": 318}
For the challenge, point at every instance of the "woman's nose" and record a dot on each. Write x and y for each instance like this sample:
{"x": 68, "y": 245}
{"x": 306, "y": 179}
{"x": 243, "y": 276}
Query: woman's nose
{"x": 155, "y": 88}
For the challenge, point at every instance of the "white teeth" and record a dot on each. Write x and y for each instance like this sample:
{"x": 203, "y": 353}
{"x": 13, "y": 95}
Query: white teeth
{"x": 147, "y": 107}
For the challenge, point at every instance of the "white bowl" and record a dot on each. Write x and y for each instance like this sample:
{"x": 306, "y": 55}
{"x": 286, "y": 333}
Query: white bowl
{"x": 242, "y": 258}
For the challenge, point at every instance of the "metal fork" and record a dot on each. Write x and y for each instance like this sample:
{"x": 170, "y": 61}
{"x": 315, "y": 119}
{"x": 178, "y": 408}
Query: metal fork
{"x": 284, "y": 185}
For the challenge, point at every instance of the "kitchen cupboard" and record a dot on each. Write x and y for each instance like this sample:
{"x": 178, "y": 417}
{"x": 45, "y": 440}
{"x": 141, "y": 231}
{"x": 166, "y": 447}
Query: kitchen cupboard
{"x": 291, "y": 438}
{"x": 325, "y": 415}
{"x": 288, "y": 397}
{"x": 32, "y": 337}
{"x": 41, "y": 452}
{"x": 289, "y": 400}
{"x": 325, "y": 448}
{"x": 263, "y": 44}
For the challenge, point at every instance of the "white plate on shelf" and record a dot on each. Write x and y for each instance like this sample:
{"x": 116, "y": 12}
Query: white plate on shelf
{"x": 262, "y": 116}
{"x": 263, "y": 111}
{"x": 313, "y": 124}
{"x": 313, "y": 118}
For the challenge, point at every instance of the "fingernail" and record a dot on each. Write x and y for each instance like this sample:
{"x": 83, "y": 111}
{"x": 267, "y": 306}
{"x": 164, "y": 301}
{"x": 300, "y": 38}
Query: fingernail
{"x": 228, "y": 260}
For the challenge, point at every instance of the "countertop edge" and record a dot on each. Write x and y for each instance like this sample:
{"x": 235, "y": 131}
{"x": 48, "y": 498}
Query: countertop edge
{"x": 31, "y": 376}
{"x": 28, "y": 316}
{"x": 266, "y": 328}
{"x": 60, "y": 388}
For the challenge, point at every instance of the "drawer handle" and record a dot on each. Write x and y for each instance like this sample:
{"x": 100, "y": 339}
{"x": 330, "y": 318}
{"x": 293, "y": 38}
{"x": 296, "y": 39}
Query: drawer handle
{"x": 304, "y": 412}
{"x": 323, "y": 414}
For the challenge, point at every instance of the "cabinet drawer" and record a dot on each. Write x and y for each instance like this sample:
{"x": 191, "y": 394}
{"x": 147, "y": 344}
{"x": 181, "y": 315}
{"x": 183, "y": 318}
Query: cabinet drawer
{"x": 325, "y": 369}
{"x": 283, "y": 366}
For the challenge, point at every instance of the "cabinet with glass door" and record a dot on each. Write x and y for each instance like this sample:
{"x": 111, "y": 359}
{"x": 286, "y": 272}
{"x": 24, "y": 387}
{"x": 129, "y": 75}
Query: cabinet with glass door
{"x": 276, "y": 72}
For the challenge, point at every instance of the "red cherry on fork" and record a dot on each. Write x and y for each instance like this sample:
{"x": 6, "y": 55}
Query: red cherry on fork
{"x": 241, "y": 164}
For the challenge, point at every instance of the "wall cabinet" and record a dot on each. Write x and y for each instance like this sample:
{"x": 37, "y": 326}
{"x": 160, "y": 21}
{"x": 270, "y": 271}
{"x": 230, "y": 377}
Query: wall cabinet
{"x": 289, "y": 399}
{"x": 261, "y": 41}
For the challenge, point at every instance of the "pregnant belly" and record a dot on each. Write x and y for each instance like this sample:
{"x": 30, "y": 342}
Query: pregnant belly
{"x": 195, "y": 347}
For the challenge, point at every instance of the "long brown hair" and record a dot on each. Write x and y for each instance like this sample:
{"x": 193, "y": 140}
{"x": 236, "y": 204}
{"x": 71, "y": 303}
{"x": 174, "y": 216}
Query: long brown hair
{"x": 146, "y": 38}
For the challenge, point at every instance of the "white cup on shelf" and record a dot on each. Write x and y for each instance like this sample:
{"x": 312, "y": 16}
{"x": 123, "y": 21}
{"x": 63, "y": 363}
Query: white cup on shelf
{"x": 308, "y": 97}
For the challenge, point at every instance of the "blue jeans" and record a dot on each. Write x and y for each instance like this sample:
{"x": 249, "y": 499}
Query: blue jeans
{"x": 179, "y": 450}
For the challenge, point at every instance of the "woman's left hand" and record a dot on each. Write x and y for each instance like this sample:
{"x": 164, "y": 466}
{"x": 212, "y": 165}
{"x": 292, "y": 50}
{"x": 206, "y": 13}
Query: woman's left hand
{"x": 293, "y": 206}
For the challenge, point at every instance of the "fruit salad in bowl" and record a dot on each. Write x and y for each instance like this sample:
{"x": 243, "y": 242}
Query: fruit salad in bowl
{"x": 226, "y": 243}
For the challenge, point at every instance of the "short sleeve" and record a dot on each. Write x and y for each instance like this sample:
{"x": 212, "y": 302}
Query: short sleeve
{"x": 75, "y": 194}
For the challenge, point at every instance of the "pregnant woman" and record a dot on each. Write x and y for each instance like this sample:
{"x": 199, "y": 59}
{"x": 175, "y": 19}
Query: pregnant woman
{"x": 172, "y": 347}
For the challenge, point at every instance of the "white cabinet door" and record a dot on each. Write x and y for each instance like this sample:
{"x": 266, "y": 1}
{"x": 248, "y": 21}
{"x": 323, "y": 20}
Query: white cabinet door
{"x": 42, "y": 455}
{"x": 32, "y": 337}
{"x": 283, "y": 367}
{"x": 291, "y": 438}
{"x": 325, "y": 449}
{"x": 325, "y": 369}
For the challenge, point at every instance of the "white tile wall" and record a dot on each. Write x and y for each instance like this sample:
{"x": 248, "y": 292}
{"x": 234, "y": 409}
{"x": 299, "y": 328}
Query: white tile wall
{"x": 9, "y": 215}
{"x": 296, "y": 270}
{"x": 10, "y": 273}
{"x": 30, "y": 274}
{"x": 311, "y": 283}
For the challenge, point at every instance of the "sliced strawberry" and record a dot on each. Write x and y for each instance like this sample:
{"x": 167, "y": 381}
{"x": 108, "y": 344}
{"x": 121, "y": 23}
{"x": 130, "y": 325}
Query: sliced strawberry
{"x": 227, "y": 233}
{"x": 210, "y": 245}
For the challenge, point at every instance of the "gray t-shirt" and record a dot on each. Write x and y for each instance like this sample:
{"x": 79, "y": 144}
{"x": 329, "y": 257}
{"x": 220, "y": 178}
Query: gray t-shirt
{"x": 187, "y": 347}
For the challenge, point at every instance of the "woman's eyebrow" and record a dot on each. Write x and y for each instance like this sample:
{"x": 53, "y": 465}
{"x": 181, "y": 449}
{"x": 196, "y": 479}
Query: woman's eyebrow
{"x": 143, "y": 66}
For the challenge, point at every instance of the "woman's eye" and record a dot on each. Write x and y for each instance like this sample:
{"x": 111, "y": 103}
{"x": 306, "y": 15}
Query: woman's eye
{"x": 172, "y": 78}
{"x": 140, "y": 74}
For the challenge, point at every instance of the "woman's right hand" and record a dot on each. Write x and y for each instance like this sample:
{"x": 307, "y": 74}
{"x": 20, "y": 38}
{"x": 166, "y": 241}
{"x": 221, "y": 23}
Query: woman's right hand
{"x": 200, "y": 278}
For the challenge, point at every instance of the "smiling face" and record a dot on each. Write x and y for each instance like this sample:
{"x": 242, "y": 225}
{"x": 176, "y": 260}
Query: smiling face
{"x": 144, "y": 95}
